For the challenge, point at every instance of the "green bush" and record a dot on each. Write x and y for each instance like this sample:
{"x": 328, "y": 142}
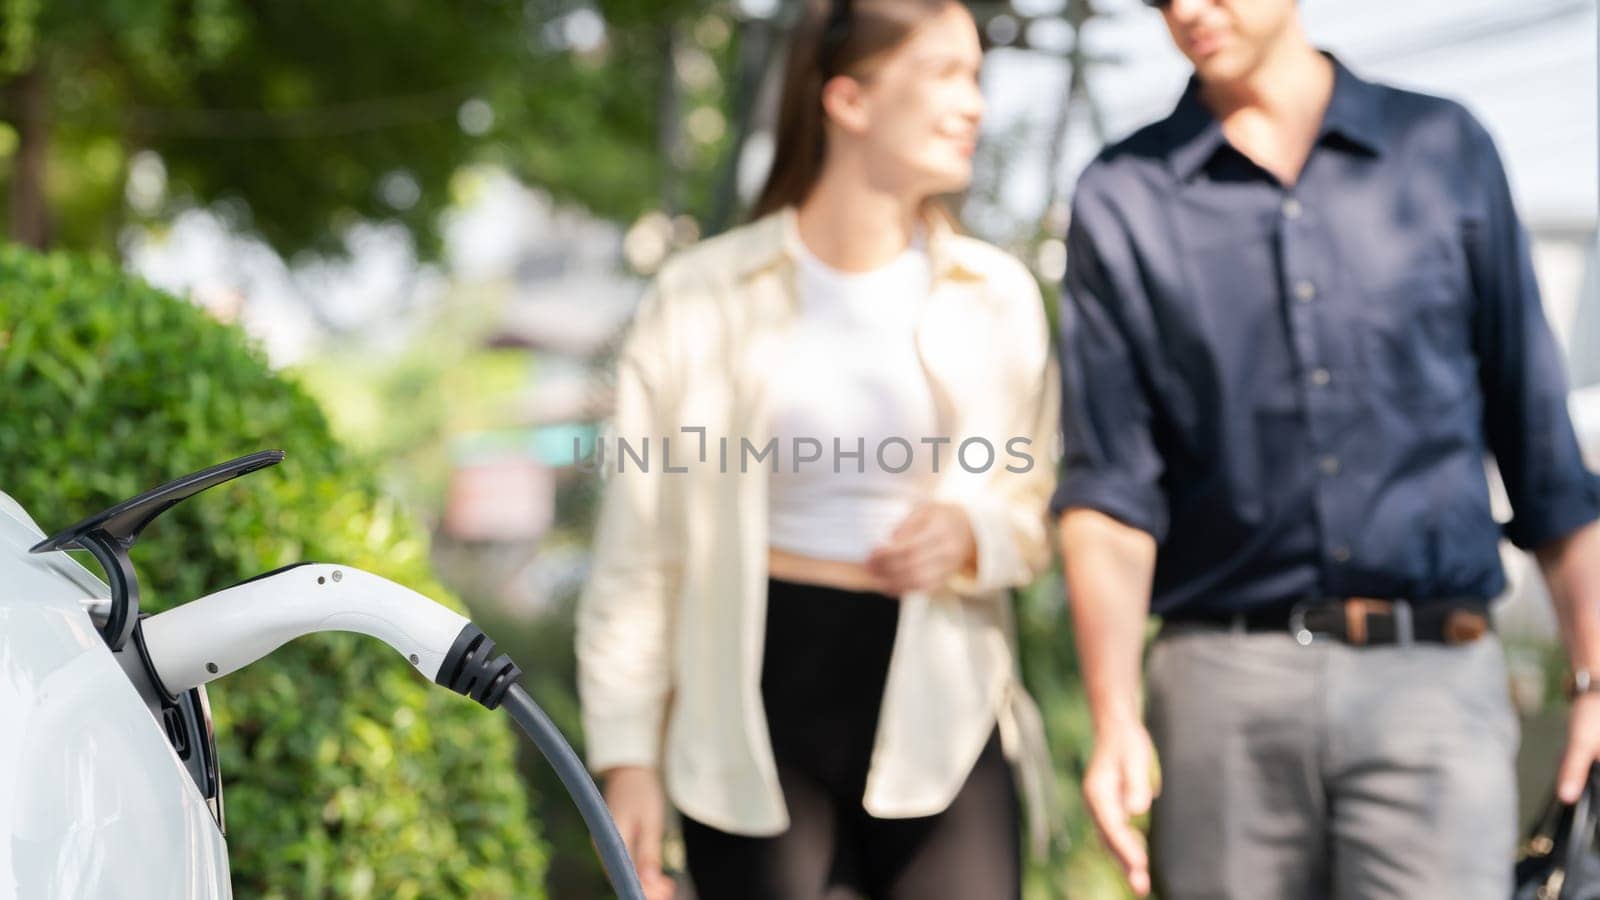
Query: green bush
{"x": 345, "y": 774}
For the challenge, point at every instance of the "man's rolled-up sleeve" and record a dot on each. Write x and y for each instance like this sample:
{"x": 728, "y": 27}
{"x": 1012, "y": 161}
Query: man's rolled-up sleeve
{"x": 1526, "y": 422}
{"x": 1110, "y": 462}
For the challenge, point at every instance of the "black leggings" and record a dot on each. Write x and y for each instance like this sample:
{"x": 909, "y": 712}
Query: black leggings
{"x": 827, "y": 654}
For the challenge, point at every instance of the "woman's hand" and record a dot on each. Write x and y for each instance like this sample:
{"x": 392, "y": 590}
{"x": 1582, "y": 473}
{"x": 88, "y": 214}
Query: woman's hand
{"x": 933, "y": 543}
{"x": 640, "y": 809}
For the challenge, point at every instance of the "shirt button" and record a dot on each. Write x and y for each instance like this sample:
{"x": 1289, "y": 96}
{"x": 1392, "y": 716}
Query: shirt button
{"x": 1321, "y": 377}
{"x": 1330, "y": 465}
{"x": 1341, "y": 554}
{"x": 1292, "y": 208}
{"x": 1304, "y": 291}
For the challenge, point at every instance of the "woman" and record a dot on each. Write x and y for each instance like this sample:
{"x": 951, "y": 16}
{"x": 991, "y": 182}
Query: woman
{"x": 798, "y": 615}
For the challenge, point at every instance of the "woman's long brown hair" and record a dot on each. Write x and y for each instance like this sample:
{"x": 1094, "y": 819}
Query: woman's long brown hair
{"x": 833, "y": 37}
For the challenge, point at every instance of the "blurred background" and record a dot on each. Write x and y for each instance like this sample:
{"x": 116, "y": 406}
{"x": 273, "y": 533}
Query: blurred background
{"x": 433, "y": 218}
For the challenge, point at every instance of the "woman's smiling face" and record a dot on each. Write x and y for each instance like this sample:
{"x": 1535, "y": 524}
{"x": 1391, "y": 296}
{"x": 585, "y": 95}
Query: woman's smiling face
{"x": 915, "y": 110}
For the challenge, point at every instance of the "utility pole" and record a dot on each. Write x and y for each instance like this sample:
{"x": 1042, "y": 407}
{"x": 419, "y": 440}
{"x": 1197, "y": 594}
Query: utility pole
{"x": 757, "y": 38}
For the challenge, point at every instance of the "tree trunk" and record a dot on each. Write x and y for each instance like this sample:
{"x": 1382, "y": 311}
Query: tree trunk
{"x": 28, "y": 104}
{"x": 669, "y": 134}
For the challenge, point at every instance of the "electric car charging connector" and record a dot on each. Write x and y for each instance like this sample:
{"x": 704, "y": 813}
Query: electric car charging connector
{"x": 220, "y": 633}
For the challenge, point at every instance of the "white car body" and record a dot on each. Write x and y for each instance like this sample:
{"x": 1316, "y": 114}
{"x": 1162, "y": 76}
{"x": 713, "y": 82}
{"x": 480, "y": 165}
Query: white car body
{"x": 96, "y": 801}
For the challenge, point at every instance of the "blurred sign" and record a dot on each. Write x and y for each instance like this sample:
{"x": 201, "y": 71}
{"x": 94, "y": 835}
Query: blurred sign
{"x": 502, "y": 498}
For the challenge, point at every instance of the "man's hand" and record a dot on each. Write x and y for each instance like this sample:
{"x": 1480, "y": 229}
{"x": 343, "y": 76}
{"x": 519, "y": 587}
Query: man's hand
{"x": 933, "y": 543}
{"x": 1583, "y": 747}
{"x": 637, "y": 804}
{"x": 1118, "y": 786}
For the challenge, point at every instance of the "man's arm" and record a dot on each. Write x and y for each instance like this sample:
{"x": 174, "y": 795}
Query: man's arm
{"x": 1108, "y": 567}
{"x": 1572, "y": 570}
{"x": 1554, "y": 498}
{"x": 1113, "y": 513}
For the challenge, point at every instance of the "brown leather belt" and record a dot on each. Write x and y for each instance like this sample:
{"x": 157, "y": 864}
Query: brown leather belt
{"x": 1358, "y": 621}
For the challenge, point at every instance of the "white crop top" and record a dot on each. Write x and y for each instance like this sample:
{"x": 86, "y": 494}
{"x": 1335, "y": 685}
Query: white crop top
{"x": 850, "y": 379}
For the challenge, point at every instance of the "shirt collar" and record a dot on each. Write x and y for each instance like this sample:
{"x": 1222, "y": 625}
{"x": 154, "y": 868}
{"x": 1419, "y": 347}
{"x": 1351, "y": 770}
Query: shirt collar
{"x": 775, "y": 239}
{"x": 1197, "y": 135}
{"x": 1355, "y": 113}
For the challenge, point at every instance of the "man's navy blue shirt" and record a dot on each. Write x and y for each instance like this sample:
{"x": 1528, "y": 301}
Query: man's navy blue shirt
{"x": 1294, "y": 388}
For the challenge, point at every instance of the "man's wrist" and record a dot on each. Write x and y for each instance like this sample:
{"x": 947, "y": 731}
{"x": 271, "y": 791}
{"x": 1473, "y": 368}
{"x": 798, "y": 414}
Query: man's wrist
{"x": 1581, "y": 682}
{"x": 1116, "y": 717}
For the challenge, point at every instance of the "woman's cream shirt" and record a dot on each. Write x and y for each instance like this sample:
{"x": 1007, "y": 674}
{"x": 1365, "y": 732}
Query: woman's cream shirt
{"x": 670, "y": 625}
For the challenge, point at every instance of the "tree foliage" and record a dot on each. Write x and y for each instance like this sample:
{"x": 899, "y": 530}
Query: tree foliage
{"x": 298, "y": 118}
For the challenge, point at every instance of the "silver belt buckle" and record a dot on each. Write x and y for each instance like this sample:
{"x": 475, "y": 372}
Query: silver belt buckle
{"x": 1404, "y": 629}
{"x": 1302, "y": 635}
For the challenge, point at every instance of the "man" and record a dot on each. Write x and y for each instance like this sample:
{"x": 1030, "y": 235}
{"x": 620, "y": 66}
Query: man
{"x": 1299, "y": 313}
